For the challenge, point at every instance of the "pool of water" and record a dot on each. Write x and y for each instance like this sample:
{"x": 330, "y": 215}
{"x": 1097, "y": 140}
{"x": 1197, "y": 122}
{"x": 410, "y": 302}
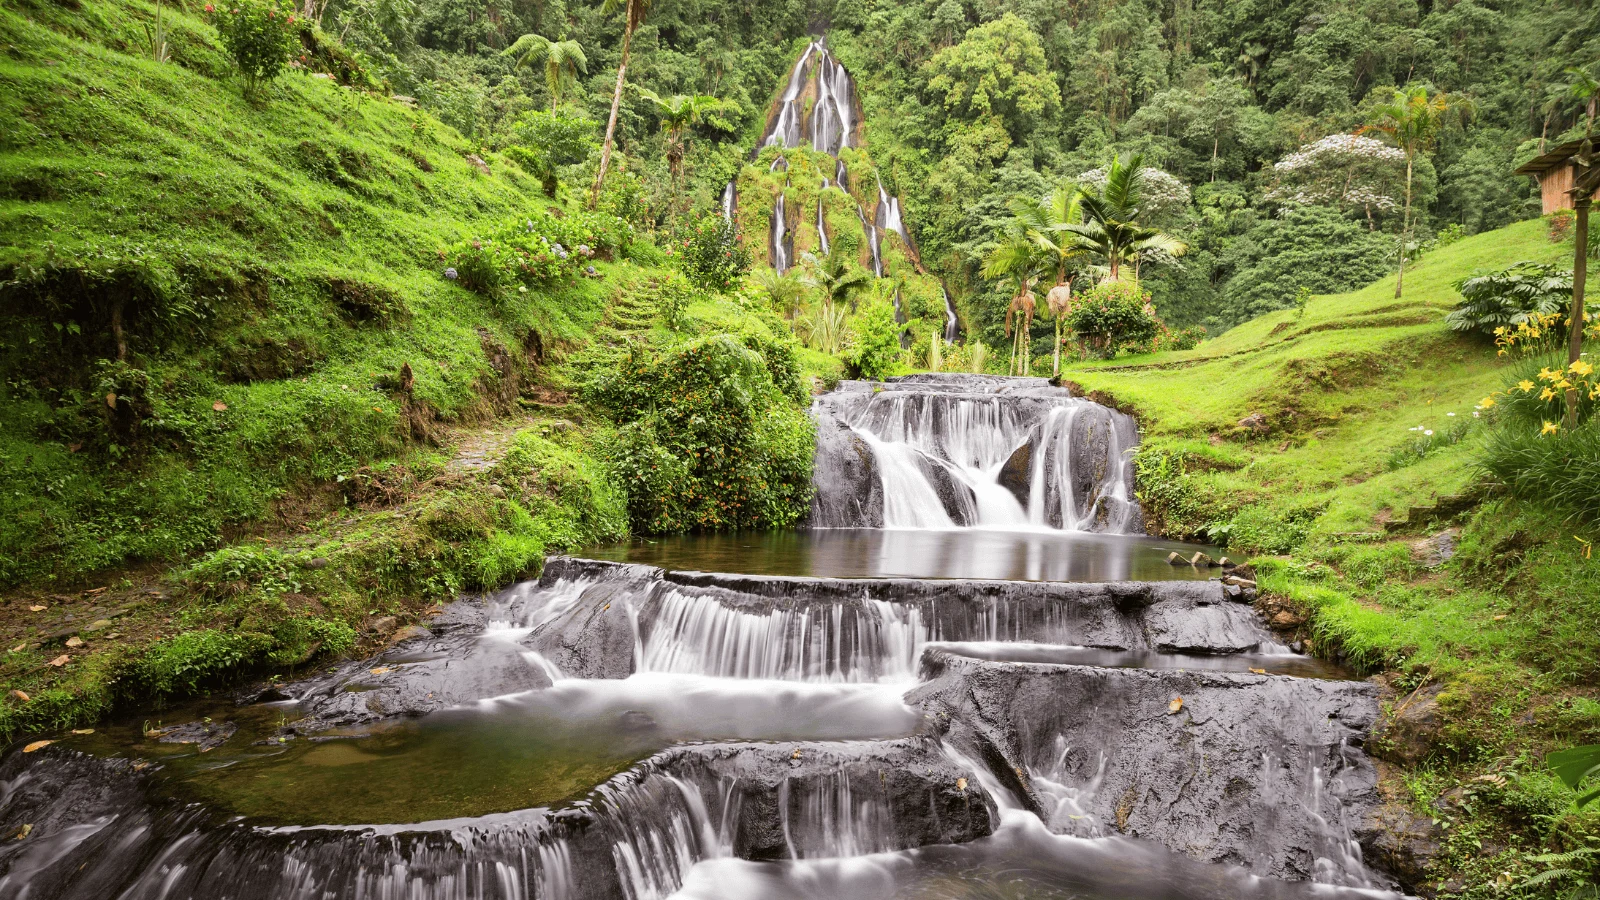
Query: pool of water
{"x": 1041, "y": 555}
{"x": 544, "y": 748}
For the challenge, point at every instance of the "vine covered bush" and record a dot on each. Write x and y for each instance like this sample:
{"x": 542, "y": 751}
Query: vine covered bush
{"x": 712, "y": 435}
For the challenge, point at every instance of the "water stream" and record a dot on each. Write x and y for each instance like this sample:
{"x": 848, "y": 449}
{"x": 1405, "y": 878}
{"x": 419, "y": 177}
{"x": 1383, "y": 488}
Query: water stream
{"x": 941, "y": 711}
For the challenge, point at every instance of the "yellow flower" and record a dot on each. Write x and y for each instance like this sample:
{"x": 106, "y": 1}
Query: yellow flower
{"x": 1546, "y": 375}
{"x": 1500, "y": 330}
{"x": 1525, "y": 386}
{"x": 1550, "y": 428}
{"x": 1547, "y": 395}
{"x": 1580, "y": 368}
{"x": 1487, "y": 402}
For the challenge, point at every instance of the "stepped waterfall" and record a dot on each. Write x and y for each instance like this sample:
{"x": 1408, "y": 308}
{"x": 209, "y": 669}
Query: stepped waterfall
{"x": 972, "y": 451}
{"x": 971, "y": 676}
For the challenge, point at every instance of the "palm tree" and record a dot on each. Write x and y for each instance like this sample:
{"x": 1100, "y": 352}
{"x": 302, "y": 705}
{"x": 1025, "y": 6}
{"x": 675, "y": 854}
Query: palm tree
{"x": 784, "y": 289}
{"x": 635, "y": 10}
{"x": 1110, "y": 224}
{"x": 1043, "y": 223}
{"x": 1585, "y": 88}
{"x": 677, "y": 113}
{"x": 1413, "y": 119}
{"x": 835, "y": 278}
{"x": 563, "y": 62}
{"x": 1019, "y": 262}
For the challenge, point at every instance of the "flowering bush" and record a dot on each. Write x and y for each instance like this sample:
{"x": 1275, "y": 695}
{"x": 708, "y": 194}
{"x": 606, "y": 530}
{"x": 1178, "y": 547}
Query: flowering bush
{"x": 1494, "y": 302}
{"x": 711, "y": 256}
{"x": 1541, "y": 397}
{"x": 1113, "y": 316}
{"x": 260, "y": 35}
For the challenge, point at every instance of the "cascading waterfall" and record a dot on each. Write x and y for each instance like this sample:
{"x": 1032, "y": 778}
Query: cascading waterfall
{"x": 952, "y": 324}
{"x": 697, "y": 634}
{"x": 989, "y": 452}
{"x": 822, "y": 225}
{"x": 729, "y": 194}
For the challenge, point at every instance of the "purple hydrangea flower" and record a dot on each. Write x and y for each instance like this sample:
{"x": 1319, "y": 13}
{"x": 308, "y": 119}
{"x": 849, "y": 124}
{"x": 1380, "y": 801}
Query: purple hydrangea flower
{"x": 450, "y": 274}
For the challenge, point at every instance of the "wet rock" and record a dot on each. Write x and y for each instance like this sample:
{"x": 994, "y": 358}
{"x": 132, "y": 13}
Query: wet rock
{"x": 1174, "y": 559}
{"x": 383, "y": 624}
{"x": 1407, "y": 734}
{"x": 1200, "y": 561}
{"x": 1015, "y": 475}
{"x": 1404, "y": 845}
{"x": 208, "y": 735}
{"x": 844, "y": 460}
{"x": 1244, "y": 772}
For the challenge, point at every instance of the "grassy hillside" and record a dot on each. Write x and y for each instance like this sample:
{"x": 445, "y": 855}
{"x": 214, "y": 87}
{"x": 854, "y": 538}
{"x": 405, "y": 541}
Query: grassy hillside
{"x": 1306, "y": 440}
{"x": 247, "y": 418}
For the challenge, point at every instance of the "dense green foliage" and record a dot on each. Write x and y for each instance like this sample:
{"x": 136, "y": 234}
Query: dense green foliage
{"x": 259, "y": 35}
{"x": 874, "y": 342}
{"x": 1492, "y": 300}
{"x": 1112, "y": 316}
{"x": 711, "y": 433}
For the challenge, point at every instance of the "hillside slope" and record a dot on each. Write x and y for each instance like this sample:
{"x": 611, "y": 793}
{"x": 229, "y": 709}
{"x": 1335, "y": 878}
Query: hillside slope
{"x": 1342, "y": 449}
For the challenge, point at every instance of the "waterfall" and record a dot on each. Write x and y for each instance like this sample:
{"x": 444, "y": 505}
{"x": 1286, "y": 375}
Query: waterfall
{"x": 952, "y": 325}
{"x": 965, "y": 451}
{"x": 785, "y": 130}
{"x": 780, "y": 236}
{"x": 728, "y": 195}
{"x": 822, "y": 224}
{"x": 695, "y": 633}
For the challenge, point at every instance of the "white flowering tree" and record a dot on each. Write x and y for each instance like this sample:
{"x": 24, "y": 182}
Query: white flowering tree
{"x": 1349, "y": 172}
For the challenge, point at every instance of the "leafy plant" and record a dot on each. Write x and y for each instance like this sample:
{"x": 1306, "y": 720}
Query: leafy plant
{"x": 1496, "y": 300}
{"x": 874, "y": 342}
{"x": 563, "y": 60}
{"x": 542, "y": 142}
{"x": 260, "y": 35}
{"x": 1112, "y": 216}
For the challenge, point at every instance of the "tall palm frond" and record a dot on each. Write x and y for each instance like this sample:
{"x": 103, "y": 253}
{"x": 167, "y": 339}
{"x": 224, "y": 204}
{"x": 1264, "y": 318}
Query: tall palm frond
{"x": 563, "y": 61}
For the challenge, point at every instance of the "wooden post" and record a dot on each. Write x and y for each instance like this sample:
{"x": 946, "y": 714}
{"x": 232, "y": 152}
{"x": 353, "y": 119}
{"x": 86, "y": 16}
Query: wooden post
{"x": 1580, "y": 270}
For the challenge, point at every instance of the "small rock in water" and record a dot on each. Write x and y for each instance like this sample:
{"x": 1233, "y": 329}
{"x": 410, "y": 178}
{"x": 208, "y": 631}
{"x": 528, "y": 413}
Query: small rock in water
{"x": 1200, "y": 560}
{"x": 408, "y": 633}
{"x": 1174, "y": 559}
{"x": 1226, "y": 563}
{"x": 208, "y": 735}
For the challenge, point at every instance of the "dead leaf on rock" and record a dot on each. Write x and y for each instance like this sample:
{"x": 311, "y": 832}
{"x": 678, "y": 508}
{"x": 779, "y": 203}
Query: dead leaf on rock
{"x": 83, "y": 731}
{"x": 379, "y": 670}
{"x": 61, "y": 660}
{"x": 961, "y": 784}
{"x": 24, "y": 831}
{"x": 37, "y": 607}
{"x": 795, "y": 754}
{"x": 36, "y": 745}
{"x": 1174, "y": 706}
{"x": 1255, "y": 671}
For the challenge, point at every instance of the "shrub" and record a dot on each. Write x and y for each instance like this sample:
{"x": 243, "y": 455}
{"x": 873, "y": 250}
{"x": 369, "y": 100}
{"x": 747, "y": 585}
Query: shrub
{"x": 1112, "y": 316}
{"x": 711, "y": 256}
{"x": 1559, "y": 470}
{"x": 1499, "y": 300}
{"x": 536, "y": 251}
{"x": 874, "y": 345}
{"x": 542, "y": 142}
{"x": 712, "y": 435}
{"x": 260, "y": 35}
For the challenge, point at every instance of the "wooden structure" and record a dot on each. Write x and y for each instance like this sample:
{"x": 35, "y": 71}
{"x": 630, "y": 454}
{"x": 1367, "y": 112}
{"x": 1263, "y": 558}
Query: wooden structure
{"x": 1555, "y": 171}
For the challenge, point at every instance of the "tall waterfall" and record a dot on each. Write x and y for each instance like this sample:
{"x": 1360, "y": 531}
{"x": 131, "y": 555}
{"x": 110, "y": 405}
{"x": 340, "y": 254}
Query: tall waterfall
{"x": 972, "y": 451}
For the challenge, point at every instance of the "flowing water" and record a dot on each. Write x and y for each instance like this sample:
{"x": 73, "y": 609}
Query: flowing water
{"x": 976, "y": 708}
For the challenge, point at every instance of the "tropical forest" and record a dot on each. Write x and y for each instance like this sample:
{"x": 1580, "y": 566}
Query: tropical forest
{"x": 799, "y": 450}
